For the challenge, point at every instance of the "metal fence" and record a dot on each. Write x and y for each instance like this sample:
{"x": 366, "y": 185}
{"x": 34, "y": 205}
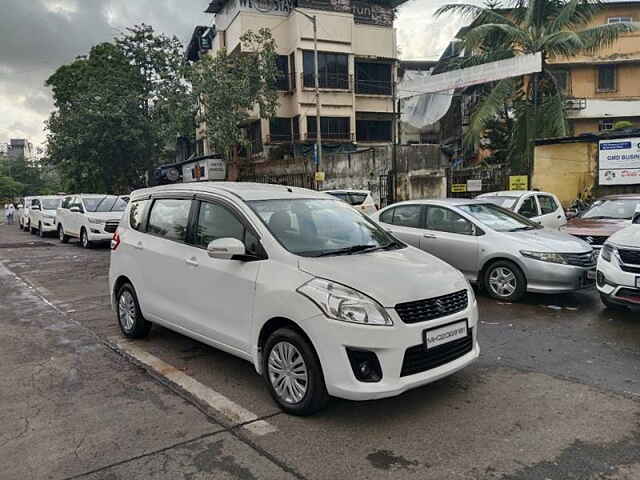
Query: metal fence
{"x": 303, "y": 180}
{"x": 488, "y": 178}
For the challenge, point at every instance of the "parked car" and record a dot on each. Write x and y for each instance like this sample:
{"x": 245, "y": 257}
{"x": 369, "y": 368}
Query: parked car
{"x": 91, "y": 218}
{"x": 606, "y": 216}
{"x": 359, "y": 199}
{"x": 618, "y": 277}
{"x": 541, "y": 207}
{"x": 316, "y": 295}
{"x": 23, "y": 214}
{"x": 42, "y": 214}
{"x": 503, "y": 252}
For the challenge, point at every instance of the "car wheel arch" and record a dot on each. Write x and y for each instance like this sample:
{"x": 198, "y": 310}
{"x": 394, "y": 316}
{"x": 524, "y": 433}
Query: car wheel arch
{"x": 273, "y": 325}
{"x": 490, "y": 261}
{"x": 117, "y": 285}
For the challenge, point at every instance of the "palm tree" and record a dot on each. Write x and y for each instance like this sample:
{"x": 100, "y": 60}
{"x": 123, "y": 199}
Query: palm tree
{"x": 556, "y": 29}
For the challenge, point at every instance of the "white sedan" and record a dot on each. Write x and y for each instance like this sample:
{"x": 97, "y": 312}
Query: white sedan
{"x": 541, "y": 207}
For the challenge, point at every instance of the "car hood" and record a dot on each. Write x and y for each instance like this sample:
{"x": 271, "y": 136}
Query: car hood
{"x": 544, "y": 240}
{"x": 389, "y": 277}
{"x": 115, "y": 216}
{"x": 627, "y": 237}
{"x": 600, "y": 227}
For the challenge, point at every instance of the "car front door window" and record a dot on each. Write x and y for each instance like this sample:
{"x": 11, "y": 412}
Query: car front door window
{"x": 445, "y": 220}
{"x": 529, "y": 207}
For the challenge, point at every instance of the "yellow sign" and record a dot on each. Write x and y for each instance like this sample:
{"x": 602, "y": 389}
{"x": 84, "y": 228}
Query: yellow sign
{"x": 518, "y": 182}
{"x": 458, "y": 188}
{"x": 319, "y": 176}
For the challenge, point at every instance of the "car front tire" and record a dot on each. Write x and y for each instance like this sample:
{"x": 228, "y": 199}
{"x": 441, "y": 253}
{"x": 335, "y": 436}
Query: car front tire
{"x": 503, "y": 280}
{"x": 293, "y": 373}
{"x": 84, "y": 239}
{"x": 61, "y": 235}
{"x": 132, "y": 323}
{"x": 40, "y": 231}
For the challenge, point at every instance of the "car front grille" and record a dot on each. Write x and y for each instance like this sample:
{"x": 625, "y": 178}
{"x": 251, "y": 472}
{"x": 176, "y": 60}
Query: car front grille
{"x": 419, "y": 359}
{"x": 629, "y": 256}
{"x": 630, "y": 269}
{"x": 629, "y": 294}
{"x": 437, "y": 307}
{"x": 111, "y": 227}
{"x": 594, "y": 240}
{"x": 587, "y": 259}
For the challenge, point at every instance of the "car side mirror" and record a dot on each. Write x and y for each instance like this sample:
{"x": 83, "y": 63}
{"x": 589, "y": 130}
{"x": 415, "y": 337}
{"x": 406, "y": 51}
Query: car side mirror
{"x": 571, "y": 214}
{"x": 226, "y": 249}
{"x": 75, "y": 210}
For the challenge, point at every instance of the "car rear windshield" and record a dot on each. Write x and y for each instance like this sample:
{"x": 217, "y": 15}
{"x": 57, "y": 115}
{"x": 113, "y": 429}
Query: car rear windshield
{"x": 498, "y": 218}
{"x": 108, "y": 203}
{"x": 319, "y": 227}
{"x": 51, "y": 203}
{"x": 506, "y": 202}
{"x": 351, "y": 198}
{"x": 616, "y": 209}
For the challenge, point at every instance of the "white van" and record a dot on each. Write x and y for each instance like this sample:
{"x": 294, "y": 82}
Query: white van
{"x": 315, "y": 294}
{"x": 92, "y": 218}
{"x": 42, "y": 214}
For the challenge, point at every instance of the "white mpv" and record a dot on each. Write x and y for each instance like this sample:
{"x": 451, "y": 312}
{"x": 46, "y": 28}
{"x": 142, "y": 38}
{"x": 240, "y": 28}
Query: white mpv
{"x": 315, "y": 294}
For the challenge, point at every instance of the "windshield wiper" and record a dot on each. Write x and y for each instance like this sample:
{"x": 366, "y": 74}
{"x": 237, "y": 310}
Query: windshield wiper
{"x": 349, "y": 250}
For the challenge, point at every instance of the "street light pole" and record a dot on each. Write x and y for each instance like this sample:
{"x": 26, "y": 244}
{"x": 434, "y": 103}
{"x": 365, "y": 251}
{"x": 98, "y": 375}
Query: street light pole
{"x": 314, "y": 21}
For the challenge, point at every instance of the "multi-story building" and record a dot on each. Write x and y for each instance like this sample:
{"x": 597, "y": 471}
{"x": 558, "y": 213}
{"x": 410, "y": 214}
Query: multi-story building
{"x": 356, "y": 61}
{"x": 603, "y": 88}
{"x": 20, "y": 148}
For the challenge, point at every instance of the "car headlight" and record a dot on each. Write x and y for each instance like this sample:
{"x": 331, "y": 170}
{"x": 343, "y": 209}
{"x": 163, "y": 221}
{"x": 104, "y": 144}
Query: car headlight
{"x": 472, "y": 293}
{"x": 345, "y": 304}
{"x": 607, "y": 252}
{"x": 545, "y": 256}
{"x": 95, "y": 220}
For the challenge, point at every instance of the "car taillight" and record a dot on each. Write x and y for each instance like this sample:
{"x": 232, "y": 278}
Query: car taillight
{"x": 115, "y": 241}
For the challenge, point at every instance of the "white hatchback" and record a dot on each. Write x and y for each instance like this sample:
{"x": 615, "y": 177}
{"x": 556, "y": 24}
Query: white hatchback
{"x": 541, "y": 207}
{"x": 316, "y": 295}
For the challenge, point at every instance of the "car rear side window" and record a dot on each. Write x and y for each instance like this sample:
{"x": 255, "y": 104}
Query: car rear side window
{"x": 529, "y": 208}
{"x": 547, "y": 204}
{"x": 136, "y": 214}
{"x": 408, "y": 216}
{"x": 358, "y": 198}
{"x": 169, "y": 218}
{"x": 387, "y": 216}
{"x": 444, "y": 220}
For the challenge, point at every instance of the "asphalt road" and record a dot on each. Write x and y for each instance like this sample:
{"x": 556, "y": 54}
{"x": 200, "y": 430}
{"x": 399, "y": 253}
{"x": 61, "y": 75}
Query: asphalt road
{"x": 555, "y": 395}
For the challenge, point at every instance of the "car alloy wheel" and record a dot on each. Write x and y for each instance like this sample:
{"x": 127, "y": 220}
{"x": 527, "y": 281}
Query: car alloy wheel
{"x": 288, "y": 372}
{"x": 502, "y": 281}
{"x": 126, "y": 311}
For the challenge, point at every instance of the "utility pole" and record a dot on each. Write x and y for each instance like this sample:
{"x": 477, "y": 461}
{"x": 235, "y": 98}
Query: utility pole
{"x": 394, "y": 133}
{"x": 314, "y": 21}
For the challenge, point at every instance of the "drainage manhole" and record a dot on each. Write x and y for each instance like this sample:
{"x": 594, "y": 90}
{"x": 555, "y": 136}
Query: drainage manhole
{"x": 26, "y": 245}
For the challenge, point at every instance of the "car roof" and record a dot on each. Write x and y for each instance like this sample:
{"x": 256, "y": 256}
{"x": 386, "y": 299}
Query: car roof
{"x": 450, "y": 202}
{"x": 244, "y": 190}
{"x": 347, "y": 190}
{"x": 621, "y": 196}
{"x": 511, "y": 193}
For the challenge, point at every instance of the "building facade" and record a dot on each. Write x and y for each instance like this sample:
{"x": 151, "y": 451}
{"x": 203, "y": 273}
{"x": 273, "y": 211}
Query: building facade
{"x": 20, "y": 148}
{"x": 357, "y": 70}
{"x": 603, "y": 88}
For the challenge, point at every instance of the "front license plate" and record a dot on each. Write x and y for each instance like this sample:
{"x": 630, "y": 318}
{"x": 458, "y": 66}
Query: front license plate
{"x": 591, "y": 275}
{"x": 445, "y": 334}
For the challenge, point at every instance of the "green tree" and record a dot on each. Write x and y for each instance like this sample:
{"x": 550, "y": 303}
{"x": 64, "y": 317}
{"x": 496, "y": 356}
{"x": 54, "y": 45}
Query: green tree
{"x": 556, "y": 29}
{"x": 230, "y": 85}
{"x": 118, "y": 112}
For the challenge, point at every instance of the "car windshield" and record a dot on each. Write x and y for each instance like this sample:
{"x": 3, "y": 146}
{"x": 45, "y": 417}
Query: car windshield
{"x": 319, "y": 227}
{"x": 351, "y": 198}
{"x": 51, "y": 203}
{"x": 506, "y": 202}
{"x": 498, "y": 218}
{"x": 108, "y": 203}
{"x": 617, "y": 209}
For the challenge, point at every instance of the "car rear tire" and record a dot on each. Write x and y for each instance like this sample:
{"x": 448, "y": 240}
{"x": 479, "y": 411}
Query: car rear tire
{"x": 132, "y": 323}
{"x": 61, "y": 235}
{"x": 84, "y": 239}
{"x": 293, "y": 373}
{"x": 503, "y": 280}
{"x": 611, "y": 305}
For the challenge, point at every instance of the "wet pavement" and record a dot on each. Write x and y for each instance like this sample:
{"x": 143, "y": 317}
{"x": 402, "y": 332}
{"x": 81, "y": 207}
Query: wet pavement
{"x": 555, "y": 394}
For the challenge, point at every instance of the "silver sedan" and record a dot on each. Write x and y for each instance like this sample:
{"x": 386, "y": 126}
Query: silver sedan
{"x": 501, "y": 251}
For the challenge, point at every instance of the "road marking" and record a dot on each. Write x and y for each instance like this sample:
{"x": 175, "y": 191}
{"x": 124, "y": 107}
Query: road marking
{"x": 233, "y": 412}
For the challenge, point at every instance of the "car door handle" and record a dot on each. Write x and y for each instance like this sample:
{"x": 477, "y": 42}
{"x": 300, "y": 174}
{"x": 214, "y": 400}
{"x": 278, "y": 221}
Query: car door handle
{"x": 191, "y": 261}
{"x": 428, "y": 235}
{"x": 139, "y": 246}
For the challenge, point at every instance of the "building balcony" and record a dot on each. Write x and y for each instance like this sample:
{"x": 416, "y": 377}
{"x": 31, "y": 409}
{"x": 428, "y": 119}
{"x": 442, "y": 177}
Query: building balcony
{"x": 328, "y": 81}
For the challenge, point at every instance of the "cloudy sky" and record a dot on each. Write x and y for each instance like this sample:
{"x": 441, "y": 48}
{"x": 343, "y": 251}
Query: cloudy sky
{"x": 37, "y": 36}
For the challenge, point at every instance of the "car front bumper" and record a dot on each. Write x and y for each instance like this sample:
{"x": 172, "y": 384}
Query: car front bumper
{"x": 390, "y": 344}
{"x": 617, "y": 285}
{"x": 547, "y": 277}
{"x": 49, "y": 226}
